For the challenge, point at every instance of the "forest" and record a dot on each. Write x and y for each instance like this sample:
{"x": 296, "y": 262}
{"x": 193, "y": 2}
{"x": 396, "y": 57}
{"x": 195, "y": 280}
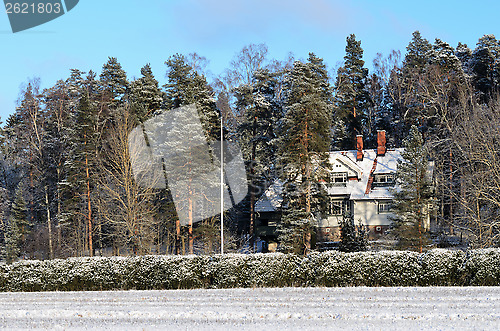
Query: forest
{"x": 67, "y": 187}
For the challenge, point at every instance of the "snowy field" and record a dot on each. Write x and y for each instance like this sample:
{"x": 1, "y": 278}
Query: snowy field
{"x": 361, "y": 308}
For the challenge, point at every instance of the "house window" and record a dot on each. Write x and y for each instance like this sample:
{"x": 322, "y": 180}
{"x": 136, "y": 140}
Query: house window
{"x": 383, "y": 180}
{"x": 384, "y": 207}
{"x": 339, "y": 207}
{"x": 339, "y": 178}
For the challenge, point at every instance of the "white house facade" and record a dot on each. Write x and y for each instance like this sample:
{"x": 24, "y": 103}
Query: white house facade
{"x": 361, "y": 184}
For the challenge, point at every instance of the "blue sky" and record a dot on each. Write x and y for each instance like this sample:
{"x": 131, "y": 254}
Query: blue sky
{"x": 139, "y": 32}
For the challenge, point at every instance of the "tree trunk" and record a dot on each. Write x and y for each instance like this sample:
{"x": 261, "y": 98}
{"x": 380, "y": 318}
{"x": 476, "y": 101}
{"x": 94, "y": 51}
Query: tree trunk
{"x": 49, "y": 223}
{"x": 89, "y": 215}
{"x": 251, "y": 230}
{"x": 307, "y": 242}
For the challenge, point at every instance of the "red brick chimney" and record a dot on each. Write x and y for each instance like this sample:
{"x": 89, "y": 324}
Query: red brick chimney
{"x": 381, "y": 149}
{"x": 359, "y": 148}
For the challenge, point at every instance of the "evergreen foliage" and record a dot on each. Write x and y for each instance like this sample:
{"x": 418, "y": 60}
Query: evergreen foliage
{"x": 303, "y": 151}
{"x": 114, "y": 82}
{"x": 351, "y": 97}
{"x": 185, "y": 87}
{"x": 352, "y": 238}
{"x": 16, "y": 228}
{"x": 257, "y": 133}
{"x": 146, "y": 96}
{"x": 58, "y": 144}
{"x": 413, "y": 200}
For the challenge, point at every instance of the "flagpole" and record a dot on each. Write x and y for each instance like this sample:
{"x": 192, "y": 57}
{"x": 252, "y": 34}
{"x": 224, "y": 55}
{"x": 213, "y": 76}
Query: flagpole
{"x": 221, "y": 188}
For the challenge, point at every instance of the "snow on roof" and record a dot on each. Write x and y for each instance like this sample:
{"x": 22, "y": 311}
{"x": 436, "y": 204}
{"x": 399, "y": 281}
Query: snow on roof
{"x": 389, "y": 162}
{"x": 354, "y": 189}
{"x": 348, "y": 158}
{"x": 271, "y": 199}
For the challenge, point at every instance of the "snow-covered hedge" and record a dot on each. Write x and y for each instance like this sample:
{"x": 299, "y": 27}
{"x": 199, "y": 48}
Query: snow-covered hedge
{"x": 387, "y": 268}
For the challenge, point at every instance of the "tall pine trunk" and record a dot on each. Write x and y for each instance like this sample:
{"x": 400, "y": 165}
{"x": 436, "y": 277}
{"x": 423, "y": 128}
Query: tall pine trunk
{"x": 49, "y": 223}
{"x": 252, "y": 188}
{"x": 307, "y": 241}
{"x": 89, "y": 206}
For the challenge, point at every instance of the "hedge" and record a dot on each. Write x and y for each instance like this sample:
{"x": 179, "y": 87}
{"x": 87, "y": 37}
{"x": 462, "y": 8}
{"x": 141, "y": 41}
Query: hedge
{"x": 437, "y": 267}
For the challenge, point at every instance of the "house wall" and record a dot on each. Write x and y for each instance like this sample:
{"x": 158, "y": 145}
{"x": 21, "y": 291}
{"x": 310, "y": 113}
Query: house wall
{"x": 364, "y": 210}
{"x": 367, "y": 212}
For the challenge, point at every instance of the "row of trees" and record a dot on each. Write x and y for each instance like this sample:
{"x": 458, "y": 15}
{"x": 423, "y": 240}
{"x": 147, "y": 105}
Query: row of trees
{"x": 68, "y": 187}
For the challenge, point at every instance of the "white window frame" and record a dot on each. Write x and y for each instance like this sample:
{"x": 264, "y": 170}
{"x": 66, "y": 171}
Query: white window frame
{"x": 384, "y": 207}
{"x": 338, "y": 175}
{"x": 342, "y": 207}
{"x": 383, "y": 180}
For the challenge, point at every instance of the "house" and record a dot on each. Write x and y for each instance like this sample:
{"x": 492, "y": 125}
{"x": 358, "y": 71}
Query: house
{"x": 360, "y": 185}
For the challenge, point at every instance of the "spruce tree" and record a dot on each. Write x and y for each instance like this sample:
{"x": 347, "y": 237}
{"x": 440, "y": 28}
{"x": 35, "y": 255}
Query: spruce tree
{"x": 413, "y": 200}
{"x": 352, "y": 237}
{"x": 17, "y": 228}
{"x": 304, "y": 153}
{"x": 11, "y": 249}
{"x": 146, "y": 96}
{"x": 351, "y": 96}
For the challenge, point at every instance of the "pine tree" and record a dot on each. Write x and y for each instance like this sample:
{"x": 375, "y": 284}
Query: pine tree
{"x": 485, "y": 65}
{"x": 417, "y": 59}
{"x": 187, "y": 87}
{"x": 351, "y": 96}
{"x": 304, "y": 152}
{"x": 114, "y": 83}
{"x": 413, "y": 199}
{"x": 464, "y": 54}
{"x": 407, "y": 88}
{"x": 257, "y": 132}
{"x": 418, "y": 52}
{"x": 81, "y": 163}
{"x": 444, "y": 57}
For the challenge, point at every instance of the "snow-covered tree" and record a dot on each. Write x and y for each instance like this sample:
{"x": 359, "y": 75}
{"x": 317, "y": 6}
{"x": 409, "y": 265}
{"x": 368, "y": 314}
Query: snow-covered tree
{"x": 485, "y": 65}
{"x": 304, "y": 152}
{"x": 81, "y": 177}
{"x": 413, "y": 197}
{"x": 16, "y": 228}
{"x": 260, "y": 111}
{"x": 187, "y": 87}
{"x": 114, "y": 83}
{"x": 146, "y": 96}
{"x": 351, "y": 96}
{"x": 352, "y": 238}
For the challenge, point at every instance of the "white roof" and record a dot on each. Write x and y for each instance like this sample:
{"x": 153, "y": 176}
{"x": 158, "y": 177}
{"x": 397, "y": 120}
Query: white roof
{"x": 271, "y": 199}
{"x": 355, "y": 189}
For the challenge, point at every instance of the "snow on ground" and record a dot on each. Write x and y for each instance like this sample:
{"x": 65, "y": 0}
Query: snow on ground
{"x": 360, "y": 308}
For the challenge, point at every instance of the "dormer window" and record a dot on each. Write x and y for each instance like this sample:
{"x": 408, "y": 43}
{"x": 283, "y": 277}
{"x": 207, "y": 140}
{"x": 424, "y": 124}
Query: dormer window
{"x": 383, "y": 180}
{"x": 338, "y": 178}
